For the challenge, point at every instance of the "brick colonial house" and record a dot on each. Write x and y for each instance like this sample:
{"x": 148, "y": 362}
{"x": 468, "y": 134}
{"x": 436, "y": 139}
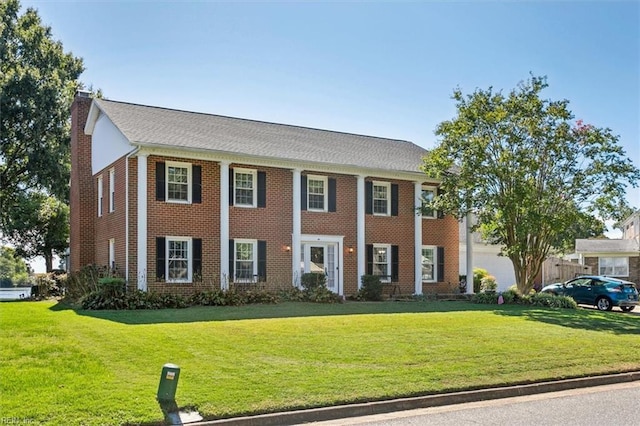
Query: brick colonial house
{"x": 174, "y": 200}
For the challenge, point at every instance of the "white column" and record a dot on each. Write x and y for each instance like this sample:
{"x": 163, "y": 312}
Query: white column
{"x": 142, "y": 223}
{"x": 418, "y": 238}
{"x": 469, "y": 253}
{"x": 224, "y": 225}
{"x": 296, "y": 229}
{"x": 362, "y": 266}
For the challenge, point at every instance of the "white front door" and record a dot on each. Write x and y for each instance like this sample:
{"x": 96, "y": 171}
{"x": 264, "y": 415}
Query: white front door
{"x": 322, "y": 258}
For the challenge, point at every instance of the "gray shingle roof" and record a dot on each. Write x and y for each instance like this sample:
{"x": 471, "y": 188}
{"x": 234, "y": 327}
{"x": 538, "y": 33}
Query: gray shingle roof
{"x": 606, "y": 246}
{"x": 147, "y": 125}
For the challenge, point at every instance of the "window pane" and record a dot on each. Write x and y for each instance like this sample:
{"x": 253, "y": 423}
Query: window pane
{"x": 381, "y": 263}
{"x": 427, "y": 196}
{"x": 380, "y": 198}
{"x": 178, "y": 264}
{"x": 177, "y": 183}
{"x": 428, "y": 261}
{"x": 315, "y": 190}
{"x": 244, "y": 188}
{"x": 244, "y": 262}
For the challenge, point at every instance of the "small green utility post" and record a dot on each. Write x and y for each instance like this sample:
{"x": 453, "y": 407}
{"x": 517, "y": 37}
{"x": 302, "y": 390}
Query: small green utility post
{"x": 167, "y": 397}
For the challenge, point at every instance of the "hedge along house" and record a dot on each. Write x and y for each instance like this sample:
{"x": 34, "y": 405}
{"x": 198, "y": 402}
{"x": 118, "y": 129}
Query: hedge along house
{"x": 175, "y": 200}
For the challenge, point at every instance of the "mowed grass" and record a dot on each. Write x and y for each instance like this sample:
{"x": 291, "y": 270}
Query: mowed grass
{"x": 60, "y": 366}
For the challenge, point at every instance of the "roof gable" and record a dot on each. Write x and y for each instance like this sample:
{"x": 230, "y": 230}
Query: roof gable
{"x": 162, "y": 127}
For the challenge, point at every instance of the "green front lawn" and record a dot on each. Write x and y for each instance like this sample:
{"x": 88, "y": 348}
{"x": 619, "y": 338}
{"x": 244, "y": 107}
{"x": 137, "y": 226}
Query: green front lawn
{"x": 61, "y": 366}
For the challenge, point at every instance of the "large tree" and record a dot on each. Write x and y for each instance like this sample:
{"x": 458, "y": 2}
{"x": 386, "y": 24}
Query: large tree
{"x": 533, "y": 176}
{"x": 13, "y": 270}
{"x": 38, "y": 225}
{"x": 37, "y": 83}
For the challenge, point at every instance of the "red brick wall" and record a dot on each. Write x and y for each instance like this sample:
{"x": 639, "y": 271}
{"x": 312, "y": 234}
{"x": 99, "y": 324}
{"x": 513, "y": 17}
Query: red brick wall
{"x": 196, "y": 220}
{"x": 341, "y": 222}
{"x": 83, "y": 205}
{"x": 112, "y": 224}
{"x": 272, "y": 223}
{"x": 443, "y": 233}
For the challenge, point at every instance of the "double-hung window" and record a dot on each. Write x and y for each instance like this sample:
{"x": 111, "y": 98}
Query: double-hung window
{"x": 428, "y": 194}
{"x": 429, "y": 262}
{"x": 245, "y": 190}
{"x": 381, "y": 261}
{"x": 112, "y": 253}
{"x": 613, "y": 266}
{"x": 317, "y": 193}
{"x": 100, "y": 195}
{"x": 381, "y": 198}
{"x": 178, "y": 182}
{"x": 178, "y": 259}
{"x": 112, "y": 190}
{"x": 245, "y": 261}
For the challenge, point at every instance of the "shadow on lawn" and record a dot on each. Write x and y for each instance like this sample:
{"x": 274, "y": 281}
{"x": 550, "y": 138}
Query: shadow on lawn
{"x": 585, "y": 319}
{"x": 280, "y": 310}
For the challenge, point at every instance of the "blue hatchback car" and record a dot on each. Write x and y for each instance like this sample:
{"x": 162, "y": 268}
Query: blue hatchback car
{"x": 602, "y": 292}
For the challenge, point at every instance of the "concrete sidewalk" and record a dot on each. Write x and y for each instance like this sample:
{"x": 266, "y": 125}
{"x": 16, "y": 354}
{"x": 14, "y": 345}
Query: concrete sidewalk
{"x": 379, "y": 407}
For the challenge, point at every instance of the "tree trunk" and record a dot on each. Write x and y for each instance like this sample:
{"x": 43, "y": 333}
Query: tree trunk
{"x": 48, "y": 261}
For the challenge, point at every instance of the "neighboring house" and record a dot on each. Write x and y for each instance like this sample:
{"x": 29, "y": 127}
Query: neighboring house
{"x": 178, "y": 200}
{"x": 485, "y": 256}
{"x": 614, "y": 258}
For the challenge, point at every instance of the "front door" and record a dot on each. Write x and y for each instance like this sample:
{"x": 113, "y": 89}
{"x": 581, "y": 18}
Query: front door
{"x": 322, "y": 259}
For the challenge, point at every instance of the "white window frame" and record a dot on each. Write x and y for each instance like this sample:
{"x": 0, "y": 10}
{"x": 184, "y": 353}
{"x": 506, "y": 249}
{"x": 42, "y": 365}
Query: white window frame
{"x": 614, "y": 258}
{"x": 435, "y": 264}
{"x": 100, "y": 195}
{"x": 254, "y": 174}
{"x": 189, "y": 259}
{"x": 112, "y": 253}
{"x": 387, "y": 247}
{"x": 254, "y": 277}
{"x": 112, "y": 190}
{"x": 387, "y": 185}
{"x": 434, "y": 213}
{"x": 181, "y": 165}
{"x": 325, "y": 190}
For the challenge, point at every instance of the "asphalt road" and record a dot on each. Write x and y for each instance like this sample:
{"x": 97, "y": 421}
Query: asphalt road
{"x": 611, "y": 405}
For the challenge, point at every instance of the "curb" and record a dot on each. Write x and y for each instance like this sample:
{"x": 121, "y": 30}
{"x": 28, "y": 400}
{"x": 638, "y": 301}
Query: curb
{"x": 402, "y": 404}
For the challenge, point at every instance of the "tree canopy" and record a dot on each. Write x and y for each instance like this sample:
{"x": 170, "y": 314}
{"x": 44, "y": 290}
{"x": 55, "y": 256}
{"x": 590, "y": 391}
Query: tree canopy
{"x": 13, "y": 270}
{"x": 37, "y": 84}
{"x": 534, "y": 177}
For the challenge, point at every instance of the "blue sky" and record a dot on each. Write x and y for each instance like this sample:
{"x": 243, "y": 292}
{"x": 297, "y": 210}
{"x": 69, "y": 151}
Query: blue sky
{"x": 378, "y": 68}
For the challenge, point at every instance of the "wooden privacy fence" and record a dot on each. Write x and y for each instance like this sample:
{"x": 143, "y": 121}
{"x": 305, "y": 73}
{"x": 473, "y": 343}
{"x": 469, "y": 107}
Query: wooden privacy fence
{"x": 558, "y": 270}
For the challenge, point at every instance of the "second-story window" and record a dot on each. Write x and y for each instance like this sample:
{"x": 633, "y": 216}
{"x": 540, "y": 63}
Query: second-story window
{"x": 112, "y": 190}
{"x": 178, "y": 182}
{"x": 244, "y": 187}
{"x": 100, "y": 196}
{"x": 317, "y": 193}
{"x": 381, "y": 198}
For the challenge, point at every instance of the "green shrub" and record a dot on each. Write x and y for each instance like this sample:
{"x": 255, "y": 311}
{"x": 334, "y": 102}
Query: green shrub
{"x": 512, "y": 297}
{"x": 313, "y": 280}
{"x": 551, "y": 301}
{"x": 371, "y": 288}
{"x": 488, "y": 284}
{"x": 478, "y": 275}
{"x": 485, "y": 298}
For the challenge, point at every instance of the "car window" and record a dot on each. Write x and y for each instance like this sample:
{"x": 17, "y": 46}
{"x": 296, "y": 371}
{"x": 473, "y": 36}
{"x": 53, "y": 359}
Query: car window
{"x": 579, "y": 282}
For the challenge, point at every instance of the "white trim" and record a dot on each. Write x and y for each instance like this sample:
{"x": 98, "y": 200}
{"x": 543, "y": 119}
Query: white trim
{"x": 417, "y": 240}
{"x": 142, "y": 223}
{"x": 100, "y": 184}
{"x": 325, "y": 191}
{"x": 387, "y": 185}
{"x": 361, "y": 247}
{"x": 189, "y": 277}
{"x": 297, "y": 228}
{"x": 329, "y": 239}
{"x": 224, "y": 225}
{"x": 436, "y": 278}
{"x": 254, "y": 260}
{"x": 112, "y": 190}
{"x": 470, "y": 245}
{"x": 254, "y": 189}
{"x": 178, "y": 165}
